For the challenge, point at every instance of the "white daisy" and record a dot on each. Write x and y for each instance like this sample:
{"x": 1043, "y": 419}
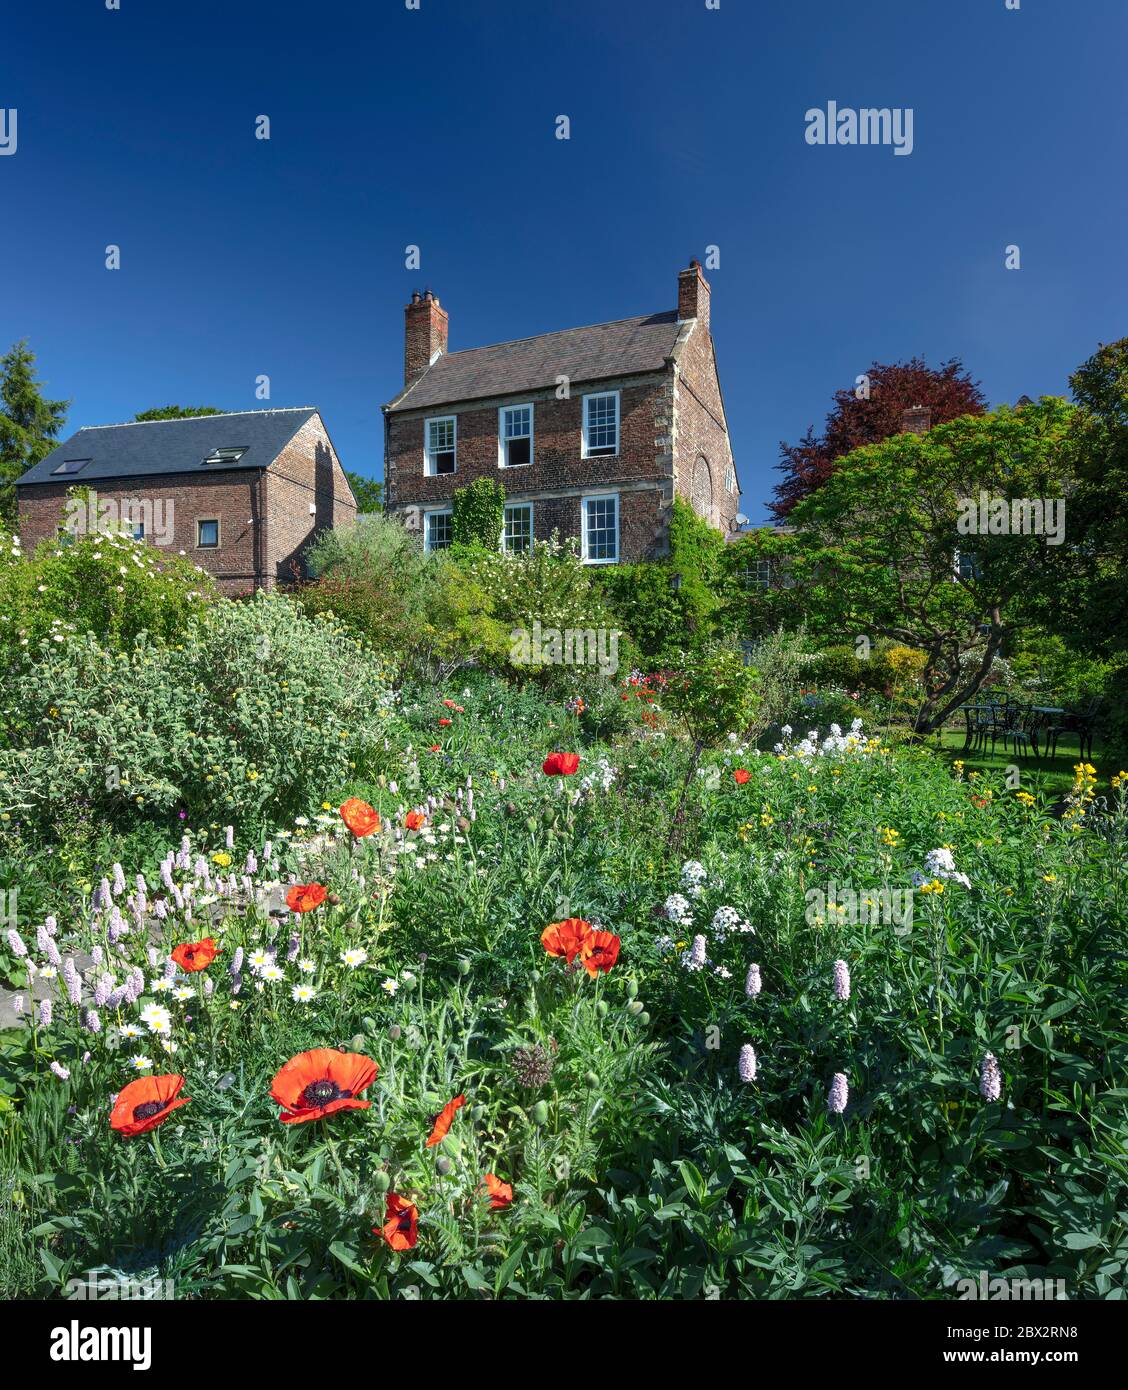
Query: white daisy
{"x": 141, "y": 1063}
{"x": 307, "y": 967}
{"x": 156, "y": 1018}
{"x": 273, "y": 973}
{"x": 302, "y": 994}
{"x": 390, "y": 985}
{"x": 357, "y": 956}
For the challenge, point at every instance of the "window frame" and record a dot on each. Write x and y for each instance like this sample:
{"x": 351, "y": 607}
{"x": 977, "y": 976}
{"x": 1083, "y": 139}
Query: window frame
{"x": 428, "y": 548}
{"x": 207, "y": 521}
{"x": 430, "y": 470}
{"x": 585, "y": 447}
{"x": 62, "y": 470}
{"x": 211, "y": 461}
{"x": 502, "y": 440}
{"x": 585, "y": 501}
{"x": 524, "y": 507}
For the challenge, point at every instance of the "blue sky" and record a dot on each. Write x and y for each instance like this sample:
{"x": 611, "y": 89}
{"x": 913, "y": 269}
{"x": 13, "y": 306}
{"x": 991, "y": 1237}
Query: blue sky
{"x": 435, "y": 127}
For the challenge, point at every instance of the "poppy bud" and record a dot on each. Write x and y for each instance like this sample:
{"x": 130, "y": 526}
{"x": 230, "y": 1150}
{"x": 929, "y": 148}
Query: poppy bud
{"x": 632, "y": 989}
{"x": 635, "y": 1007}
{"x": 381, "y": 1181}
{"x": 462, "y": 823}
{"x": 531, "y": 822}
{"x": 357, "y": 1041}
{"x": 644, "y": 1018}
{"x": 602, "y": 1008}
{"x": 548, "y": 815}
{"x": 394, "y": 1031}
{"x": 510, "y": 808}
{"x": 478, "y": 1114}
{"x": 464, "y": 967}
{"x": 540, "y": 1113}
{"x": 443, "y": 1166}
{"x": 591, "y": 1078}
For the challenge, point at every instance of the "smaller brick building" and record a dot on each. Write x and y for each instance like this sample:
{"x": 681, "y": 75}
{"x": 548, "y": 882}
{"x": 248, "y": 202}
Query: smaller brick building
{"x": 591, "y": 431}
{"x": 242, "y": 494}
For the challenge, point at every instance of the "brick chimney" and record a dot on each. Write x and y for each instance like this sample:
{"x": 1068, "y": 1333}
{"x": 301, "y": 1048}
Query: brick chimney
{"x": 693, "y": 294}
{"x": 425, "y": 334}
{"x": 916, "y": 420}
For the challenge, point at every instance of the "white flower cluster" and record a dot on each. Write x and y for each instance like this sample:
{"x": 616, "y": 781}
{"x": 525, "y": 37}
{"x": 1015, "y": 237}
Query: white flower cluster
{"x": 836, "y": 744}
{"x": 693, "y": 877}
{"x": 938, "y": 863}
{"x": 678, "y": 910}
{"x": 601, "y": 776}
{"x": 727, "y": 921}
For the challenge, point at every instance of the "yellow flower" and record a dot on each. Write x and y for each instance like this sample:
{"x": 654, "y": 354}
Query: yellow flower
{"x": 1049, "y": 878}
{"x": 222, "y": 859}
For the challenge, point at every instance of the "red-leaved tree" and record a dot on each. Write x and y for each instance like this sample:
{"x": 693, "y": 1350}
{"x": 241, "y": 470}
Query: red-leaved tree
{"x": 870, "y": 412}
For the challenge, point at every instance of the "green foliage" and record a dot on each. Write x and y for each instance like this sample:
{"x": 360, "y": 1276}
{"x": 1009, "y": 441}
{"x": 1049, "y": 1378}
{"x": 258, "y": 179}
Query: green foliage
{"x": 368, "y": 492}
{"x": 423, "y": 611}
{"x": 29, "y": 424}
{"x": 177, "y": 412}
{"x": 478, "y": 514}
{"x": 250, "y": 717}
{"x": 106, "y": 584}
{"x": 715, "y": 694}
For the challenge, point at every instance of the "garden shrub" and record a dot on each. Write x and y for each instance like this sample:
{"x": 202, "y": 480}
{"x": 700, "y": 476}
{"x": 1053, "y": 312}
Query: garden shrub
{"x": 249, "y": 719}
{"x": 106, "y": 584}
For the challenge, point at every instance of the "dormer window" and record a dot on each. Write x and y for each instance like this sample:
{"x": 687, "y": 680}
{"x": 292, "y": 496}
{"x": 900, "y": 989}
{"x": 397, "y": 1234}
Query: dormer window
{"x": 225, "y": 455}
{"x": 69, "y": 466}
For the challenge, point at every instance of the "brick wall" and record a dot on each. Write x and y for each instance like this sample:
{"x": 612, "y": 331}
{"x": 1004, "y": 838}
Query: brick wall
{"x": 702, "y": 454}
{"x": 306, "y": 473}
{"x": 229, "y": 497}
{"x": 558, "y": 476}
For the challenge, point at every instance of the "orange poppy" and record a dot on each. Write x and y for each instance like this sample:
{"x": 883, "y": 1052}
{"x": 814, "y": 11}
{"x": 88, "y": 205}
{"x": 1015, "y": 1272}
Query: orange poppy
{"x": 441, "y": 1122}
{"x": 567, "y": 938}
{"x": 195, "y": 955}
{"x": 401, "y": 1223}
{"x": 146, "y": 1103}
{"x": 500, "y": 1193}
{"x": 360, "y": 818}
{"x": 304, "y": 897}
{"x": 560, "y": 764}
{"x": 443, "y": 723}
{"x": 600, "y": 951}
{"x": 740, "y": 776}
{"x": 415, "y": 820}
{"x": 451, "y": 705}
{"x": 318, "y": 1083}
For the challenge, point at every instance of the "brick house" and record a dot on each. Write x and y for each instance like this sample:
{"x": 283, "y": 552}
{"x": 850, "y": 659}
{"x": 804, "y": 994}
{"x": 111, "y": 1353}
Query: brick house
{"x": 242, "y": 495}
{"x": 591, "y": 431}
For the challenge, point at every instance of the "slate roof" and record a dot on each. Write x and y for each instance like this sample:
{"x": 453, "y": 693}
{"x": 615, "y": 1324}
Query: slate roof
{"x": 171, "y": 446}
{"x": 624, "y": 348}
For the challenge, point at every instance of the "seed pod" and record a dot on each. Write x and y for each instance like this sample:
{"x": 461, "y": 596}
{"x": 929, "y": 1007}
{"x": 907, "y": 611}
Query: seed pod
{"x": 394, "y": 1032}
{"x": 333, "y": 898}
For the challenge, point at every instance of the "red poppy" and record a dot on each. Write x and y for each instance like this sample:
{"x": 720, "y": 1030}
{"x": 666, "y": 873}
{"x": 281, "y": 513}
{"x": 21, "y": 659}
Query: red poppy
{"x": 401, "y": 1223}
{"x": 146, "y": 1103}
{"x": 360, "y": 818}
{"x": 566, "y": 938}
{"x": 979, "y": 801}
{"x": 451, "y": 705}
{"x": 561, "y": 764}
{"x": 600, "y": 952}
{"x": 195, "y": 955}
{"x": 442, "y": 1121}
{"x": 443, "y": 723}
{"x": 436, "y": 747}
{"x": 740, "y": 776}
{"x": 415, "y": 820}
{"x": 304, "y": 897}
{"x": 500, "y": 1193}
{"x": 318, "y": 1083}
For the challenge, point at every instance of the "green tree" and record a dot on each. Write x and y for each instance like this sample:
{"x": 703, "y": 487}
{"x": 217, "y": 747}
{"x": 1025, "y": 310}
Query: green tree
{"x": 177, "y": 412}
{"x": 368, "y": 492}
{"x": 877, "y": 550}
{"x": 29, "y": 424}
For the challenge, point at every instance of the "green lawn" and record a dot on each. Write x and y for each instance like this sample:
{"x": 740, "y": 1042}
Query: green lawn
{"x": 1054, "y": 775}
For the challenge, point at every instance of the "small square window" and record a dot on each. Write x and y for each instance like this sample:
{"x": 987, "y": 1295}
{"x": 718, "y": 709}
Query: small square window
{"x": 437, "y": 531}
{"x": 601, "y": 425}
{"x": 517, "y": 534}
{"x": 69, "y": 466}
{"x": 225, "y": 455}
{"x": 515, "y": 435}
{"x": 440, "y": 445}
{"x": 207, "y": 534}
{"x": 601, "y": 530}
